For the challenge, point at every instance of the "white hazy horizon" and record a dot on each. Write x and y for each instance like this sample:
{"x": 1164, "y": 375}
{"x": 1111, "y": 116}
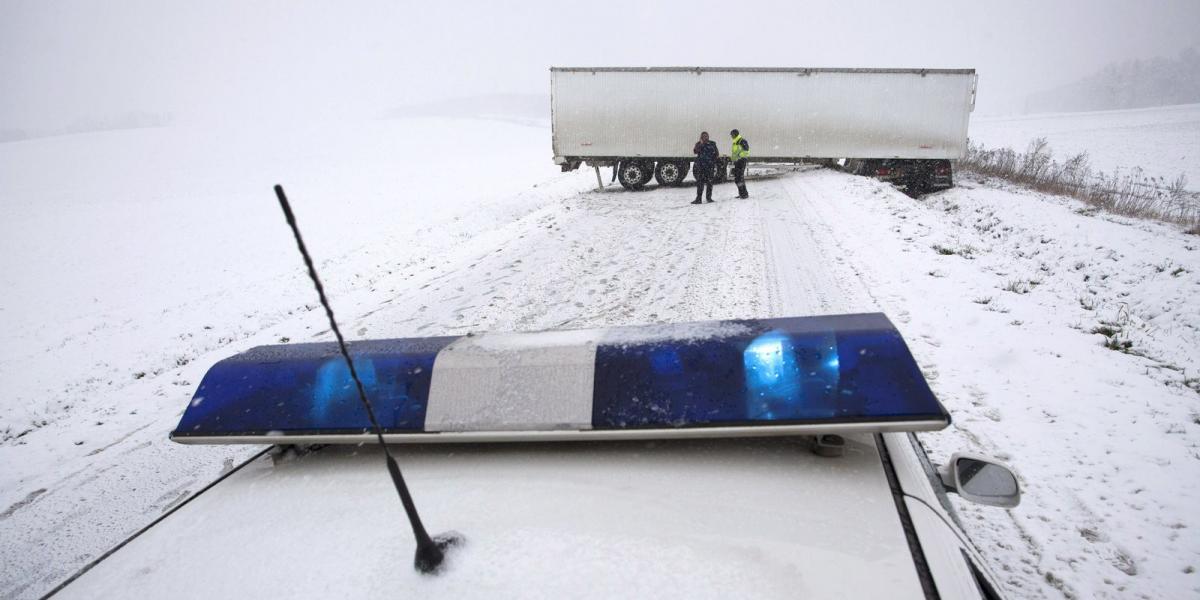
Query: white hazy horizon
{"x": 75, "y": 62}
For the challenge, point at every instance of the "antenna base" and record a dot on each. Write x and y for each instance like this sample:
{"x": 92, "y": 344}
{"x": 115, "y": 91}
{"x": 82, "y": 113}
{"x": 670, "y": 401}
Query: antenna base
{"x": 430, "y": 557}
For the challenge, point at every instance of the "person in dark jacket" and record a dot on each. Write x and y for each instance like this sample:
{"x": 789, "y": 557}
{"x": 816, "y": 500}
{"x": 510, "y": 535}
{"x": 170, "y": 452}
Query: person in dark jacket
{"x": 740, "y": 154}
{"x": 705, "y": 168}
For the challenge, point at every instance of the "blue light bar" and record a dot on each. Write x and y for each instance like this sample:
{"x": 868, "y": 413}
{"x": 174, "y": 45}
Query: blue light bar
{"x": 763, "y": 376}
{"x": 305, "y": 388}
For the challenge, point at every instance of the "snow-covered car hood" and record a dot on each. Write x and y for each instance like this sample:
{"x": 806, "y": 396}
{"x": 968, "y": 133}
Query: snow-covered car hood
{"x": 716, "y": 518}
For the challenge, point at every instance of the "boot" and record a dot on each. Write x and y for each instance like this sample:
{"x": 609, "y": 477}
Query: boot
{"x": 742, "y": 193}
{"x": 696, "y": 201}
{"x": 710, "y": 197}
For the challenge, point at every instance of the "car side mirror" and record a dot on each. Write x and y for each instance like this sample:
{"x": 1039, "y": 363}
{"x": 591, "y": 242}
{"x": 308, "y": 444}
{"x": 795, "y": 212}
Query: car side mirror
{"x": 981, "y": 480}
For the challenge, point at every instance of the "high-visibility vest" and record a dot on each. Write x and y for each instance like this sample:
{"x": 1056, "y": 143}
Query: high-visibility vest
{"x": 738, "y": 152}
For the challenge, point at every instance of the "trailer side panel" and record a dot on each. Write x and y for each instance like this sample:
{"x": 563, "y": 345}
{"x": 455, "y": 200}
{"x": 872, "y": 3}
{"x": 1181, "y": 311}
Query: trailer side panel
{"x": 786, "y": 113}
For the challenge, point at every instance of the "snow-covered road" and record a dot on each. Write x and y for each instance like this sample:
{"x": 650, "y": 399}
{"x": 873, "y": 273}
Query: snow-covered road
{"x": 1090, "y": 429}
{"x": 997, "y": 292}
{"x": 611, "y": 257}
{"x": 588, "y": 259}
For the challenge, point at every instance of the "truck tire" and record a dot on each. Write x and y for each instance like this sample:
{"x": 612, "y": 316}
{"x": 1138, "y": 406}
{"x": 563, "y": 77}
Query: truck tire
{"x": 671, "y": 173}
{"x": 633, "y": 174}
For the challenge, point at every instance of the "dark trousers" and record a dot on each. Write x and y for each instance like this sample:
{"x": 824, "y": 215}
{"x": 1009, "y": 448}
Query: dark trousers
{"x": 704, "y": 177}
{"x": 739, "y": 177}
{"x": 739, "y": 171}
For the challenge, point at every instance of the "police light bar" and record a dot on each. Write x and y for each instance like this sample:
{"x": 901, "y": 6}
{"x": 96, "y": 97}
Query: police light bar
{"x": 762, "y": 377}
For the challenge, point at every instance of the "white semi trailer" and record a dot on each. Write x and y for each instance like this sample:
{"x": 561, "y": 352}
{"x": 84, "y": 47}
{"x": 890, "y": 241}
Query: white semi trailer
{"x": 905, "y": 125}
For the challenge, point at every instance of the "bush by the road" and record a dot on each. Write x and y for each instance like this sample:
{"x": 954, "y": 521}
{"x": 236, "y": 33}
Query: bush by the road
{"x": 1132, "y": 193}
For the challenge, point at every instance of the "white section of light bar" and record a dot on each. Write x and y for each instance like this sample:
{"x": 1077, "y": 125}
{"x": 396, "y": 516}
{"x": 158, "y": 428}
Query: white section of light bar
{"x": 514, "y": 382}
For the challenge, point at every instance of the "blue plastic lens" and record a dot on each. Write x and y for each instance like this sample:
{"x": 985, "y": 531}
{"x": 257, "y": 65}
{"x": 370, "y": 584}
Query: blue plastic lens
{"x": 848, "y": 368}
{"x": 306, "y": 388}
{"x": 772, "y": 378}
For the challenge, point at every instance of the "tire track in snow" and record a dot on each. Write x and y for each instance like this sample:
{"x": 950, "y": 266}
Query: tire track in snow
{"x": 592, "y": 260}
{"x": 807, "y": 273}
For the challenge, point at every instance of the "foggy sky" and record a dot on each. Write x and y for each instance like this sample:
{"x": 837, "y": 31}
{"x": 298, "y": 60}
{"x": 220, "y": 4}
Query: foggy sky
{"x": 227, "y": 60}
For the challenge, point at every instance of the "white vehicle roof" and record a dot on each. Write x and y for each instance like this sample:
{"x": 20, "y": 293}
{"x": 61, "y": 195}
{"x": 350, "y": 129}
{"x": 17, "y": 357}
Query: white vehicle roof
{"x": 760, "y": 518}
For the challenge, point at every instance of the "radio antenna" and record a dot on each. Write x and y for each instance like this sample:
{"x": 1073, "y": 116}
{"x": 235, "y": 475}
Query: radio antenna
{"x": 430, "y": 551}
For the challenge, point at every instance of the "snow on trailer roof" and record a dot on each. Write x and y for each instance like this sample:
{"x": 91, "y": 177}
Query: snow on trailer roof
{"x": 719, "y": 518}
{"x": 760, "y": 70}
{"x": 711, "y": 379}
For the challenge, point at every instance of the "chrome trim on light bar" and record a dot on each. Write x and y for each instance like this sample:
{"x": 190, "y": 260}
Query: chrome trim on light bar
{"x": 574, "y": 435}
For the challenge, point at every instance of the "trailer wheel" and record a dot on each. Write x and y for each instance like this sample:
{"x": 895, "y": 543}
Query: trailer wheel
{"x": 633, "y": 174}
{"x": 670, "y": 173}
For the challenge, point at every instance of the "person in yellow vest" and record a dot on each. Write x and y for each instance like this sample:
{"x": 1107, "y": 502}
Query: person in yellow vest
{"x": 740, "y": 156}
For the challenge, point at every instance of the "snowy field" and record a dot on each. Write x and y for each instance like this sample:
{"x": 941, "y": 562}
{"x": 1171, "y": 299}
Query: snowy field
{"x": 134, "y": 260}
{"x": 1162, "y": 141}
